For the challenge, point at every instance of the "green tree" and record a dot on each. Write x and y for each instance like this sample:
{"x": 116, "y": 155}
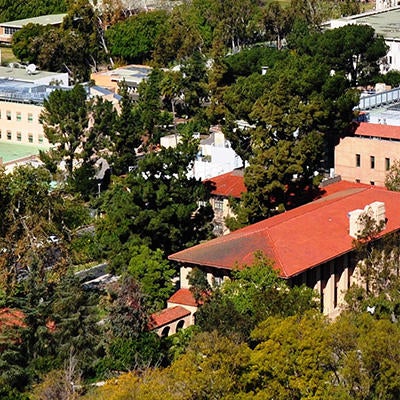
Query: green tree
{"x": 65, "y": 122}
{"x": 277, "y": 22}
{"x": 76, "y": 333}
{"x": 153, "y": 271}
{"x": 353, "y": 50}
{"x": 252, "y": 295}
{"x": 14, "y": 10}
{"x": 156, "y": 204}
{"x": 296, "y": 122}
{"x": 129, "y": 344}
{"x": 185, "y": 32}
{"x": 22, "y": 39}
{"x": 127, "y": 135}
{"x": 392, "y": 179}
{"x": 149, "y": 107}
{"x": 292, "y": 358}
{"x": 76, "y": 46}
{"x": 31, "y": 213}
{"x": 134, "y": 39}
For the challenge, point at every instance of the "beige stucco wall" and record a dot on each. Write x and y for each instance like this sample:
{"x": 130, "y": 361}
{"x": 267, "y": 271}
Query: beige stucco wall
{"x": 14, "y": 119}
{"x": 345, "y": 159}
{"x": 173, "y": 326}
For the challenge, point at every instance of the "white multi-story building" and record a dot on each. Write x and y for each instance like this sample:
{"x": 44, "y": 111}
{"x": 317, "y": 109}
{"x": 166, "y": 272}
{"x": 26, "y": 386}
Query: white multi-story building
{"x": 215, "y": 156}
{"x": 385, "y": 21}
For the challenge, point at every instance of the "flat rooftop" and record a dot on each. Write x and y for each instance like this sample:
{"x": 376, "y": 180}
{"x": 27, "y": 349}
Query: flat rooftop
{"x": 132, "y": 74}
{"x": 25, "y": 92}
{"x": 11, "y": 151}
{"x": 53, "y": 19}
{"x": 385, "y": 22}
{"x": 389, "y": 115}
{"x": 20, "y": 73}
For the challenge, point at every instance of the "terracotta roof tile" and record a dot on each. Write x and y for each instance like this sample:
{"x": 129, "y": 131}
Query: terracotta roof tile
{"x": 378, "y": 130}
{"x": 183, "y": 296}
{"x": 298, "y": 239}
{"x": 167, "y": 316}
{"x": 229, "y": 184}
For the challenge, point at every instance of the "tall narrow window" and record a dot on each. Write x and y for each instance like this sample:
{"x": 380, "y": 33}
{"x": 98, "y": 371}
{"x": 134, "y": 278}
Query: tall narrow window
{"x": 19, "y": 136}
{"x": 30, "y": 117}
{"x": 387, "y": 164}
{"x": 30, "y": 138}
{"x": 8, "y": 115}
{"x": 9, "y": 136}
{"x": 18, "y": 116}
{"x": 358, "y": 160}
{"x": 372, "y": 159}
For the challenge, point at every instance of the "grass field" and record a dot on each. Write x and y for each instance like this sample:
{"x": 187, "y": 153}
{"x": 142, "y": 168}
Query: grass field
{"x": 7, "y": 56}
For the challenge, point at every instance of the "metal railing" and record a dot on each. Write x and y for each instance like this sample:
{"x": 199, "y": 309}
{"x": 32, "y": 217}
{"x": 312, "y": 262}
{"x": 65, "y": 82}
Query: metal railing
{"x": 379, "y": 99}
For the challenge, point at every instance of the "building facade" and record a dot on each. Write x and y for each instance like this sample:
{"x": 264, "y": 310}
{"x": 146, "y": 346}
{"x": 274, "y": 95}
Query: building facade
{"x": 19, "y": 123}
{"x": 7, "y": 29}
{"x": 312, "y": 244}
{"x": 367, "y": 156}
{"x": 224, "y": 188}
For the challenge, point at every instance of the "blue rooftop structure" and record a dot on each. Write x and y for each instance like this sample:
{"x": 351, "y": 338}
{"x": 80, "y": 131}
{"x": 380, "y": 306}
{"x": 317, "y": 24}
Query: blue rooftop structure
{"x": 23, "y": 92}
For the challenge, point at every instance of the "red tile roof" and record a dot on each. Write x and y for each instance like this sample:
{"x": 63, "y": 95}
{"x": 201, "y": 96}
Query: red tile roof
{"x": 298, "y": 239}
{"x": 229, "y": 184}
{"x": 184, "y": 297}
{"x": 167, "y": 316}
{"x": 378, "y": 130}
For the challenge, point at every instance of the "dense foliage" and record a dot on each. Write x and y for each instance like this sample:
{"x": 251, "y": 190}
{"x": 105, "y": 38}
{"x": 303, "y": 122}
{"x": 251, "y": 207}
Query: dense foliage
{"x": 14, "y": 10}
{"x": 109, "y": 192}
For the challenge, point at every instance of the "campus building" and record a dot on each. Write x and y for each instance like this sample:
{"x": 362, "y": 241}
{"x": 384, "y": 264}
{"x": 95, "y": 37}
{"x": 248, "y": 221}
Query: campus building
{"x": 7, "y": 29}
{"x": 225, "y": 188}
{"x": 312, "y": 244}
{"x": 367, "y": 156}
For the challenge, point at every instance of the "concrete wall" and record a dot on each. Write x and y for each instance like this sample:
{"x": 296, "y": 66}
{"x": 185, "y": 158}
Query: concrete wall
{"x": 345, "y": 159}
{"x": 19, "y": 123}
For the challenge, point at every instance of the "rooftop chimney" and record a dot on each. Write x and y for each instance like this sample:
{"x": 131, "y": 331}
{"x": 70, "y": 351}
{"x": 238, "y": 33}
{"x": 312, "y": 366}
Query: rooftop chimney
{"x": 375, "y": 210}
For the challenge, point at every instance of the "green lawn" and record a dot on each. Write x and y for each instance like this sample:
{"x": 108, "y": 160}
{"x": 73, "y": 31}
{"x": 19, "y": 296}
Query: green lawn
{"x": 7, "y": 56}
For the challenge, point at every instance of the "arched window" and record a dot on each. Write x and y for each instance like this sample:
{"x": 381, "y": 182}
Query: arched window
{"x": 180, "y": 325}
{"x": 165, "y": 332}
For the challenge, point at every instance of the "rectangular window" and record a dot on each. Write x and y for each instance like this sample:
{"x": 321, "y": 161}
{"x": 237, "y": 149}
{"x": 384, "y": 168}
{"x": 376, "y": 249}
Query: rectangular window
{"x": 9, "y": 30}
{"x": 8, "y": 115}
{"x": 387, "y": 164}
{"x": 219, "y": 204}
{"x": 358, "y": 160}
{"x": 30, "y": 138}
{"x": 218, "y": 280}
{"x": 19, "y": 136}
{"x": 372, "y": 159}
{"x": 0, "y": 134}
{"x": 358, "y": 181}
{"x": 372, "y": 183}
{"x": 9, "y": 135}
{"x": 30, "y": 117}
{"x": 18, "y": 116}
{"x": 40, "y": 139}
